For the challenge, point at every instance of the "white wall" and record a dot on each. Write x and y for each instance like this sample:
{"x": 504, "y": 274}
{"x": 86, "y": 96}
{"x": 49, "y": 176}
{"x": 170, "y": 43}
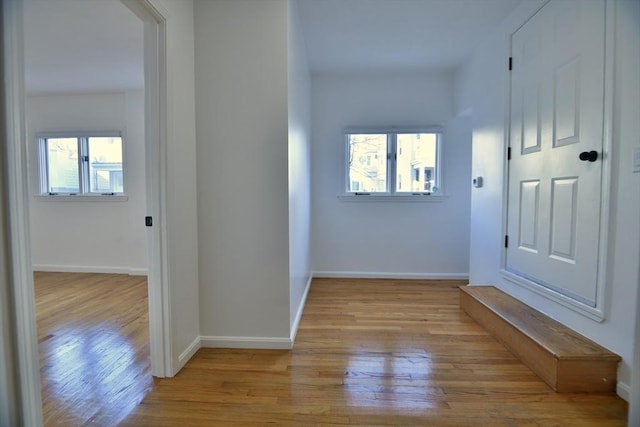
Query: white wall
{"x": 73, "y": 234}
{"x": 388, "y": 238}
{"x": 625, "y": 238}
{"x": 299, "y": 99}
{"x": 242, "y": 167}
{"x": 484, "y": 80}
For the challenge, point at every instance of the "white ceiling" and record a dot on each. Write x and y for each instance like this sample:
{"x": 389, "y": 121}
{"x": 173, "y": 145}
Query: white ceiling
{"x": 76, "y": 46}
{"x": 356, "y": 35}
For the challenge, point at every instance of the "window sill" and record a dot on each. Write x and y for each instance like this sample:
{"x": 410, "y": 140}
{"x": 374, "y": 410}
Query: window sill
{"x": 418, "y": 198}
{"x": 82, "y": 198}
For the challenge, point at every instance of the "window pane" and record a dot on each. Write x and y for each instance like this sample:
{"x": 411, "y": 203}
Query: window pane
{"x": 62, "y": 156}
{"x": 416, "y": 162}
{"x": 105, "y": 165}
{"x": 368, "y": 163}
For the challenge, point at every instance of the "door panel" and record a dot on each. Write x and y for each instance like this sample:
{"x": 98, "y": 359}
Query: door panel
{"x": 529, "y": 209}
{"x": 567, "y": 104}
{"x": 557, "y": 107}
{"x": 564, "y": 196}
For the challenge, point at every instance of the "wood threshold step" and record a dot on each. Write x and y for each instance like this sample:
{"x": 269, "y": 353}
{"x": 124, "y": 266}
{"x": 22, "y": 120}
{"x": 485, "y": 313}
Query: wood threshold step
{"x": 564, "y": 359}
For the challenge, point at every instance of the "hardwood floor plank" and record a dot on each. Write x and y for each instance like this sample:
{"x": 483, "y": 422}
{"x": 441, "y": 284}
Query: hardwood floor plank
{"x": 368, "y": 353}
{"x": 372, "y": 352}
{"x": 94, "y": 346}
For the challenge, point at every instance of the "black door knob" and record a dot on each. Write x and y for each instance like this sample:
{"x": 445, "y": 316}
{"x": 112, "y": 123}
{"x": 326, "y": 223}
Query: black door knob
{"x": 589, "y": 156}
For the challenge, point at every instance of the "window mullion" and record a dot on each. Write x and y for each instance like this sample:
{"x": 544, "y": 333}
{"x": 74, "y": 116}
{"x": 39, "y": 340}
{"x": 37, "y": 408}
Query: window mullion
{"x": 43, "y": 160}
{"x": 84, "y": 164}
{"x": 391, "y": 159}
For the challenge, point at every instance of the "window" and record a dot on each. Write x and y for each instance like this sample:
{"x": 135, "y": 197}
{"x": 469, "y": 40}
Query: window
{"x": 393, "y": 162}
{"x": 81, "y": 164}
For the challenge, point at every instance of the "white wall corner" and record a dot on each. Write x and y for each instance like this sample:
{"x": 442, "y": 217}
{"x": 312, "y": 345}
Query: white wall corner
{"x": 263, "y": 343}
{"x": 303, "y": 302}
{"x": 187, "y": 354}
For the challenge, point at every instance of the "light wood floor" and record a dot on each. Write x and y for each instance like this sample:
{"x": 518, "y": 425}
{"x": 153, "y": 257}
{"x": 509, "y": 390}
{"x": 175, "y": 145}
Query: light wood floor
{"x": 93, "y": 335}
{"x": 367, "y": 353}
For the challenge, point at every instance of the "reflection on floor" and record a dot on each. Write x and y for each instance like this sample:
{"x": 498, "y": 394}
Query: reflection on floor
{"x": 372, "y": 352}
{"x": 93, "y": 335}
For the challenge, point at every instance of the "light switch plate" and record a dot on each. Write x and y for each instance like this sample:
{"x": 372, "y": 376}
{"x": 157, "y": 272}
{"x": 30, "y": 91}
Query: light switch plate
{"x": 636, "y": 159}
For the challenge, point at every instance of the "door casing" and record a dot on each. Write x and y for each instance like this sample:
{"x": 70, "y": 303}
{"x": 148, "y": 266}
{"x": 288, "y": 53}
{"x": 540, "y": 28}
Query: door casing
{"x": 29, "y": 393}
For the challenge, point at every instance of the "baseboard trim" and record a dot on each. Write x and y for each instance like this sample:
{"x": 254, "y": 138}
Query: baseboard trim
{"x": 388, "y": 275}
{"x": 623, "y": 390}
{"x": 90, "y": 269}
{"x": 138, "y": 272}
{"x": 268, "y": 343}
{"x": 188, "y": 353}
{"x": 303, "y": 302}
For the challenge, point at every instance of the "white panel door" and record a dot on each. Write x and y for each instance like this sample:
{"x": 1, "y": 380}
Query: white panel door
{"x": 557, "y": 102}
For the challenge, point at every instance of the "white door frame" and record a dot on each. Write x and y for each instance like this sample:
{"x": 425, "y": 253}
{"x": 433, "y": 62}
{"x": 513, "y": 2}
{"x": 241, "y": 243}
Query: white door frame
{"x": 162, "y": 363}
{"x": 155, "y": 76}
{"x": 26, "y": 337}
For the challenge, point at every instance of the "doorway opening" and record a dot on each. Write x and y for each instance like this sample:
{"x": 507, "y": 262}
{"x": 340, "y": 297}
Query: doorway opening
{"x": 20, "y": 193}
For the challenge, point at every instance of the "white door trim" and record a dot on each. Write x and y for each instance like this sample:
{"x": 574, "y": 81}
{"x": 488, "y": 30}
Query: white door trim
{"x": 155, "y": 74}
{"x": 26, "y": 336}
{"x": 18, "y": 193}
{"x": 598, "y": 312}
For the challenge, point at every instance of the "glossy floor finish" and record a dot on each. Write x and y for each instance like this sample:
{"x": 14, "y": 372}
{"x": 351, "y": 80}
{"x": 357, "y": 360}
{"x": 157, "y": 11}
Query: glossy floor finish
{"x": 93, "y": 335}
{"x": 372, "y": 352}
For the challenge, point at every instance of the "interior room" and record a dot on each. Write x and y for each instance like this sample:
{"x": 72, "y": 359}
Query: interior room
{"x": 301, "y": 179}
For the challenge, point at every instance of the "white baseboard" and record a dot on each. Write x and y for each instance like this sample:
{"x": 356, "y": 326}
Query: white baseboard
{"x": 623, "y": 390}
{"x": 387, "y": 275}
{"x": 268, "y": 343}
{"x": 90, "y": 269}
{"x": 303, "y": 302}
{"x": 188, "y": 353}
{"x": 138, "y": 272}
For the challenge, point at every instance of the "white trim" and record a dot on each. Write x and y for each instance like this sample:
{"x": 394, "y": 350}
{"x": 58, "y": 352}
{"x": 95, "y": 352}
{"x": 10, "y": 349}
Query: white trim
{"x": 18, "y": 204}
{"x": 624, "y": 391}
{"x": 137, "y": 272}
{"x": 433, "y": 128}
{"x": 389, "y": 275}
{"x": 398, "y": 197}
{"x": 266, "y": 343}
{"x": 155, "y": 69}
{"x": 18, "y": 191}
{"x": 303, "y": 303}
{"x": 597, "y": 312}
{"x": 82, "y": 198}
{"x": 188, "y": 353}
{"x": 392, "y": 134}
{"x": 607, "y": 149}
{"x": 592, "y": 312}
{"x": 90, "y": 269}
{"x": 83, "y": 166}
{"x": 81, "y": 133}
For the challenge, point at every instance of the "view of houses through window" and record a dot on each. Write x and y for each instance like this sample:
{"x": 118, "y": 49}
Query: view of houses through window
{"x": 393, "y": 163}
{"x": 74, "y": 165}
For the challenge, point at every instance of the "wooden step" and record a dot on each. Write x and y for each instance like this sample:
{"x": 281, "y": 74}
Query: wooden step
{"x": 564, "y": 359}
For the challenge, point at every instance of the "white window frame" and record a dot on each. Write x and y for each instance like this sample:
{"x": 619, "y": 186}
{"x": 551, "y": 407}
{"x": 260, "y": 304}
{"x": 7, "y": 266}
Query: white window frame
{"x": 391, "y": 194}
{"x": 83, "y": 166}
